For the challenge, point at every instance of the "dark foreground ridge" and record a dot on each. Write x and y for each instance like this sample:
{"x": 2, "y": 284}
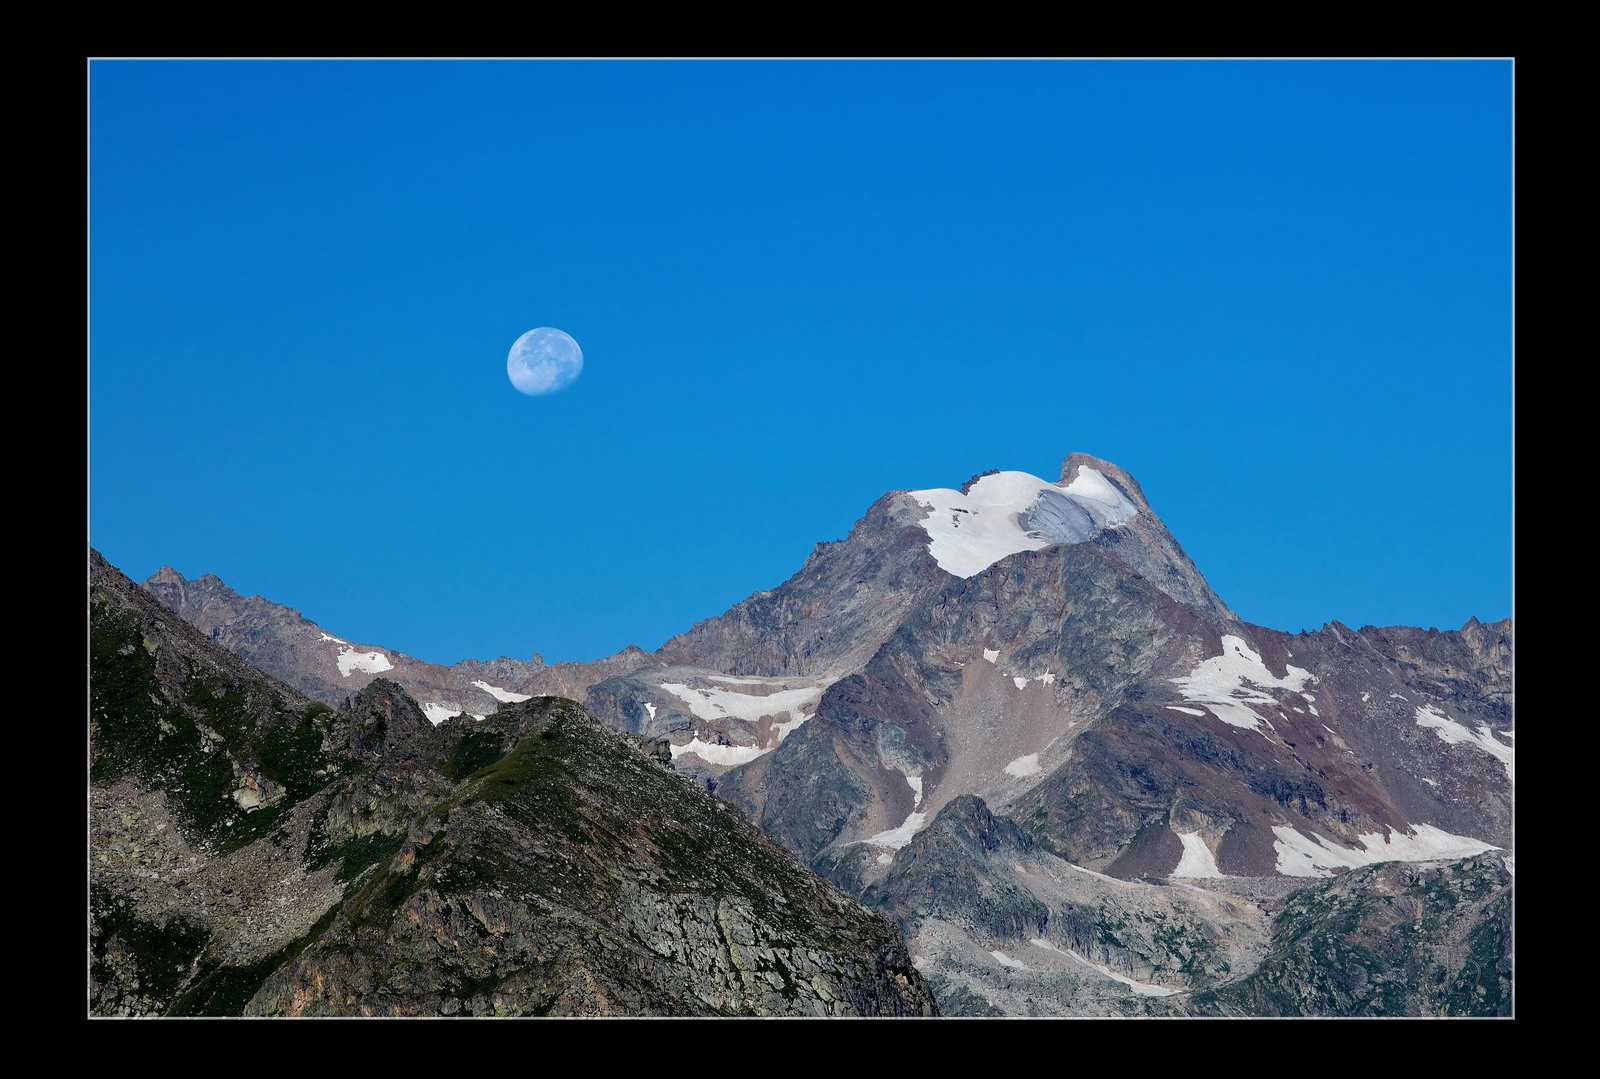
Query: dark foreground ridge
{"x": 254, "y": 852}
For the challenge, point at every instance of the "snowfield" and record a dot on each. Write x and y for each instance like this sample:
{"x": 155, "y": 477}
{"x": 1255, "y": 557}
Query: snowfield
{"x": 1300, "y": 855}
{"x": 1008, "y": 512}
{"x": 505, "y": 696}
{"x": 724, "y": 703}
{"x": 369, "y": 662}
{"x": 1144, "y": 989}
{"x": 1197, "y": 860}
{"x": 1228, "y": 684}
{"x": 438, "y": 713}
{"x": 1024, "y": 766}
{"x": 895, "y": 838}
{"x": 712, "y": 753}
{"x": 714, "y": 705}
{"x": 1457, "y": 734}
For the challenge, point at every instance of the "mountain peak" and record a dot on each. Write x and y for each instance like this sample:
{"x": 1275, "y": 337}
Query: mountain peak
{"x": 1073, "y": 462}
{"x": 997, "y": 513}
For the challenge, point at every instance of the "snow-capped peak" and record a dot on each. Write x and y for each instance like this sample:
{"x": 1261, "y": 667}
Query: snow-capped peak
{"x": 1006, "y": 512}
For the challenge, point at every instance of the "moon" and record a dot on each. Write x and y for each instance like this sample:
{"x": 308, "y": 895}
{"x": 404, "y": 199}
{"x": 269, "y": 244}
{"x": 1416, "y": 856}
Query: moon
{"x": 543, "y": 361}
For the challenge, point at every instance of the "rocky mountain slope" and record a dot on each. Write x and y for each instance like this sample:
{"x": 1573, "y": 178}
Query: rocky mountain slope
{"x": 1159, "y": 777}
{"x": 256, "y": 852}
{"x": 1015, "y": 716}
{"x": 1398, "y": 939}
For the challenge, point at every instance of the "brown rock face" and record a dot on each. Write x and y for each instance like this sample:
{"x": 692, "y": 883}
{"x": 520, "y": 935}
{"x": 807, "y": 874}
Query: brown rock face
{"x": 1129, "y": 736}
{"x": 833, "y": 614}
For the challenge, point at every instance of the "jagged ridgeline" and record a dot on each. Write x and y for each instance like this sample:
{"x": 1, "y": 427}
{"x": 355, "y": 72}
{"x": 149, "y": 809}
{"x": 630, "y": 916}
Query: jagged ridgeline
{"x": 254, "y": 852}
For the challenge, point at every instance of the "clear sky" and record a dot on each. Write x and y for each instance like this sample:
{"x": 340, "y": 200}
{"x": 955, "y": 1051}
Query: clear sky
{"x": 1277, "y": 293}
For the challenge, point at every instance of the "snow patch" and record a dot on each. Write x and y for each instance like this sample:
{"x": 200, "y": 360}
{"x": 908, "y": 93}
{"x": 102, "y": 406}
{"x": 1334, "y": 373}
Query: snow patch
{"x": 1048, "y": 678}
{"x": 1300, "y": 855}
{"x": 648, "y": 707}
{"x": 1020, "y": 683}
{"x": 438, "y": 713}
{"x": 1108, "y": 502}
{"x": 895, "y": 838}
{"x": 1101, "y": 876}
{"x": 968, "y": 533}
{"x": 712, "y": 753}
{"x": 720, "y": 704}
{"x": 991, "y": 654}
{"x": 1456, "y": 734}
{"x": 725, "y": 703}
{"x": 1228, "y": 684}
{"x": 1365, "y": 697}
{"x": 1187, "y": 711}
{"x": 503, "y": 695}
{"x": 1144, "y": 989}
{"x": 331, "y": 637}
{"x": 1197, "y": 860}
{"x": 1006, "y": 961}
{"x": 916, "y": 790}
{"x": 369, "y": 662}
{"x": 1024, "y": 766}
{"x": 1428, "y": 781}
{"x": 783, "y": 730}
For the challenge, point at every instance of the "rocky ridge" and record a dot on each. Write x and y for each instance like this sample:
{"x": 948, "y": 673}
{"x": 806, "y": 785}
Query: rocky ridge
{"x": 256, "y": 852}
{"x": 295, "y": 650}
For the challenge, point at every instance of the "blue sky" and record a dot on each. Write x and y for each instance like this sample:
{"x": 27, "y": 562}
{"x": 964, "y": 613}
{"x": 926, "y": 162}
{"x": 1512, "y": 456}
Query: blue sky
{"x": 1277, "y": 293}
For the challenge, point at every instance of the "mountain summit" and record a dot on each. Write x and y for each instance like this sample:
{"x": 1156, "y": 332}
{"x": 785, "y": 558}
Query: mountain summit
{"x": 850, "y": 595}
{"x": 1003, "y": 513}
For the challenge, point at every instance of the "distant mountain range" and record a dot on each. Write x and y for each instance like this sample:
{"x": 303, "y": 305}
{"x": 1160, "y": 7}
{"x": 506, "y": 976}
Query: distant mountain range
{"x": 1016, "y": 718}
